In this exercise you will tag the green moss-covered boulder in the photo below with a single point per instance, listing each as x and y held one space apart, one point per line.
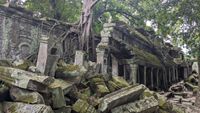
21 95
190 86
167 106
112 86
24 65
161 99
5 63
82 106
177 109
147 93
170 108
192 80
98 86
120 81
68 71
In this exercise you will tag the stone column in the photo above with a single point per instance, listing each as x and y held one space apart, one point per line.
145 75
138 75
195 67
133 73
102 59
185 73
42 54
152 77
103 46
157 78
174 74
114 66
177 74
169 75
79 58
165 82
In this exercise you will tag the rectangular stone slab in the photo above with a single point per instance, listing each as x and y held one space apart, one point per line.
21 78
148 105
32 81
17 107
120 97
65 85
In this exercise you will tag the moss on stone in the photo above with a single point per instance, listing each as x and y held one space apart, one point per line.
5 63
25 65
120 82
177 109
68 68
86 92
102 89
112 86
146 56
13 108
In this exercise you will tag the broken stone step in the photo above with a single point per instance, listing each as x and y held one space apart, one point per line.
17 107
120 97
22 95
147 105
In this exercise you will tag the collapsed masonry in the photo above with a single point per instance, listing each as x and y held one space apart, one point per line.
84 87
135 54
140 57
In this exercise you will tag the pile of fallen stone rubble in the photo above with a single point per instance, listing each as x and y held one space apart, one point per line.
75 89
184 91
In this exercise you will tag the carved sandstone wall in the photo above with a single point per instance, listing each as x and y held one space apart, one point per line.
19 33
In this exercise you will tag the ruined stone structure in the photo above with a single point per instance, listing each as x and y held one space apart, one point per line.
140 57
20 33
135 54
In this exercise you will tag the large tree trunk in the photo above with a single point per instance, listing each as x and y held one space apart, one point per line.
197 103
86 23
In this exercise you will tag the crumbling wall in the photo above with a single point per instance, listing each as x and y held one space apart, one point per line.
20 33
128 49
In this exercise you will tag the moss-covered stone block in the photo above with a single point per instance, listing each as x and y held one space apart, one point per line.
120 81
25 65
22 95
17 107
82 106
98 86
5 63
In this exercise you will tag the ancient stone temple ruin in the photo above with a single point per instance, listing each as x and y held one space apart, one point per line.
20 34
135 54
43 71
140 57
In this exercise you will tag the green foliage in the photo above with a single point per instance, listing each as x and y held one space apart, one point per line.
183 20
179 19
70 9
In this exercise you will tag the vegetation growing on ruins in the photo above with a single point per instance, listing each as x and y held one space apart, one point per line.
174 20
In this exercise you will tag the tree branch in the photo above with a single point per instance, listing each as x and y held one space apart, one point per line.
94 3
